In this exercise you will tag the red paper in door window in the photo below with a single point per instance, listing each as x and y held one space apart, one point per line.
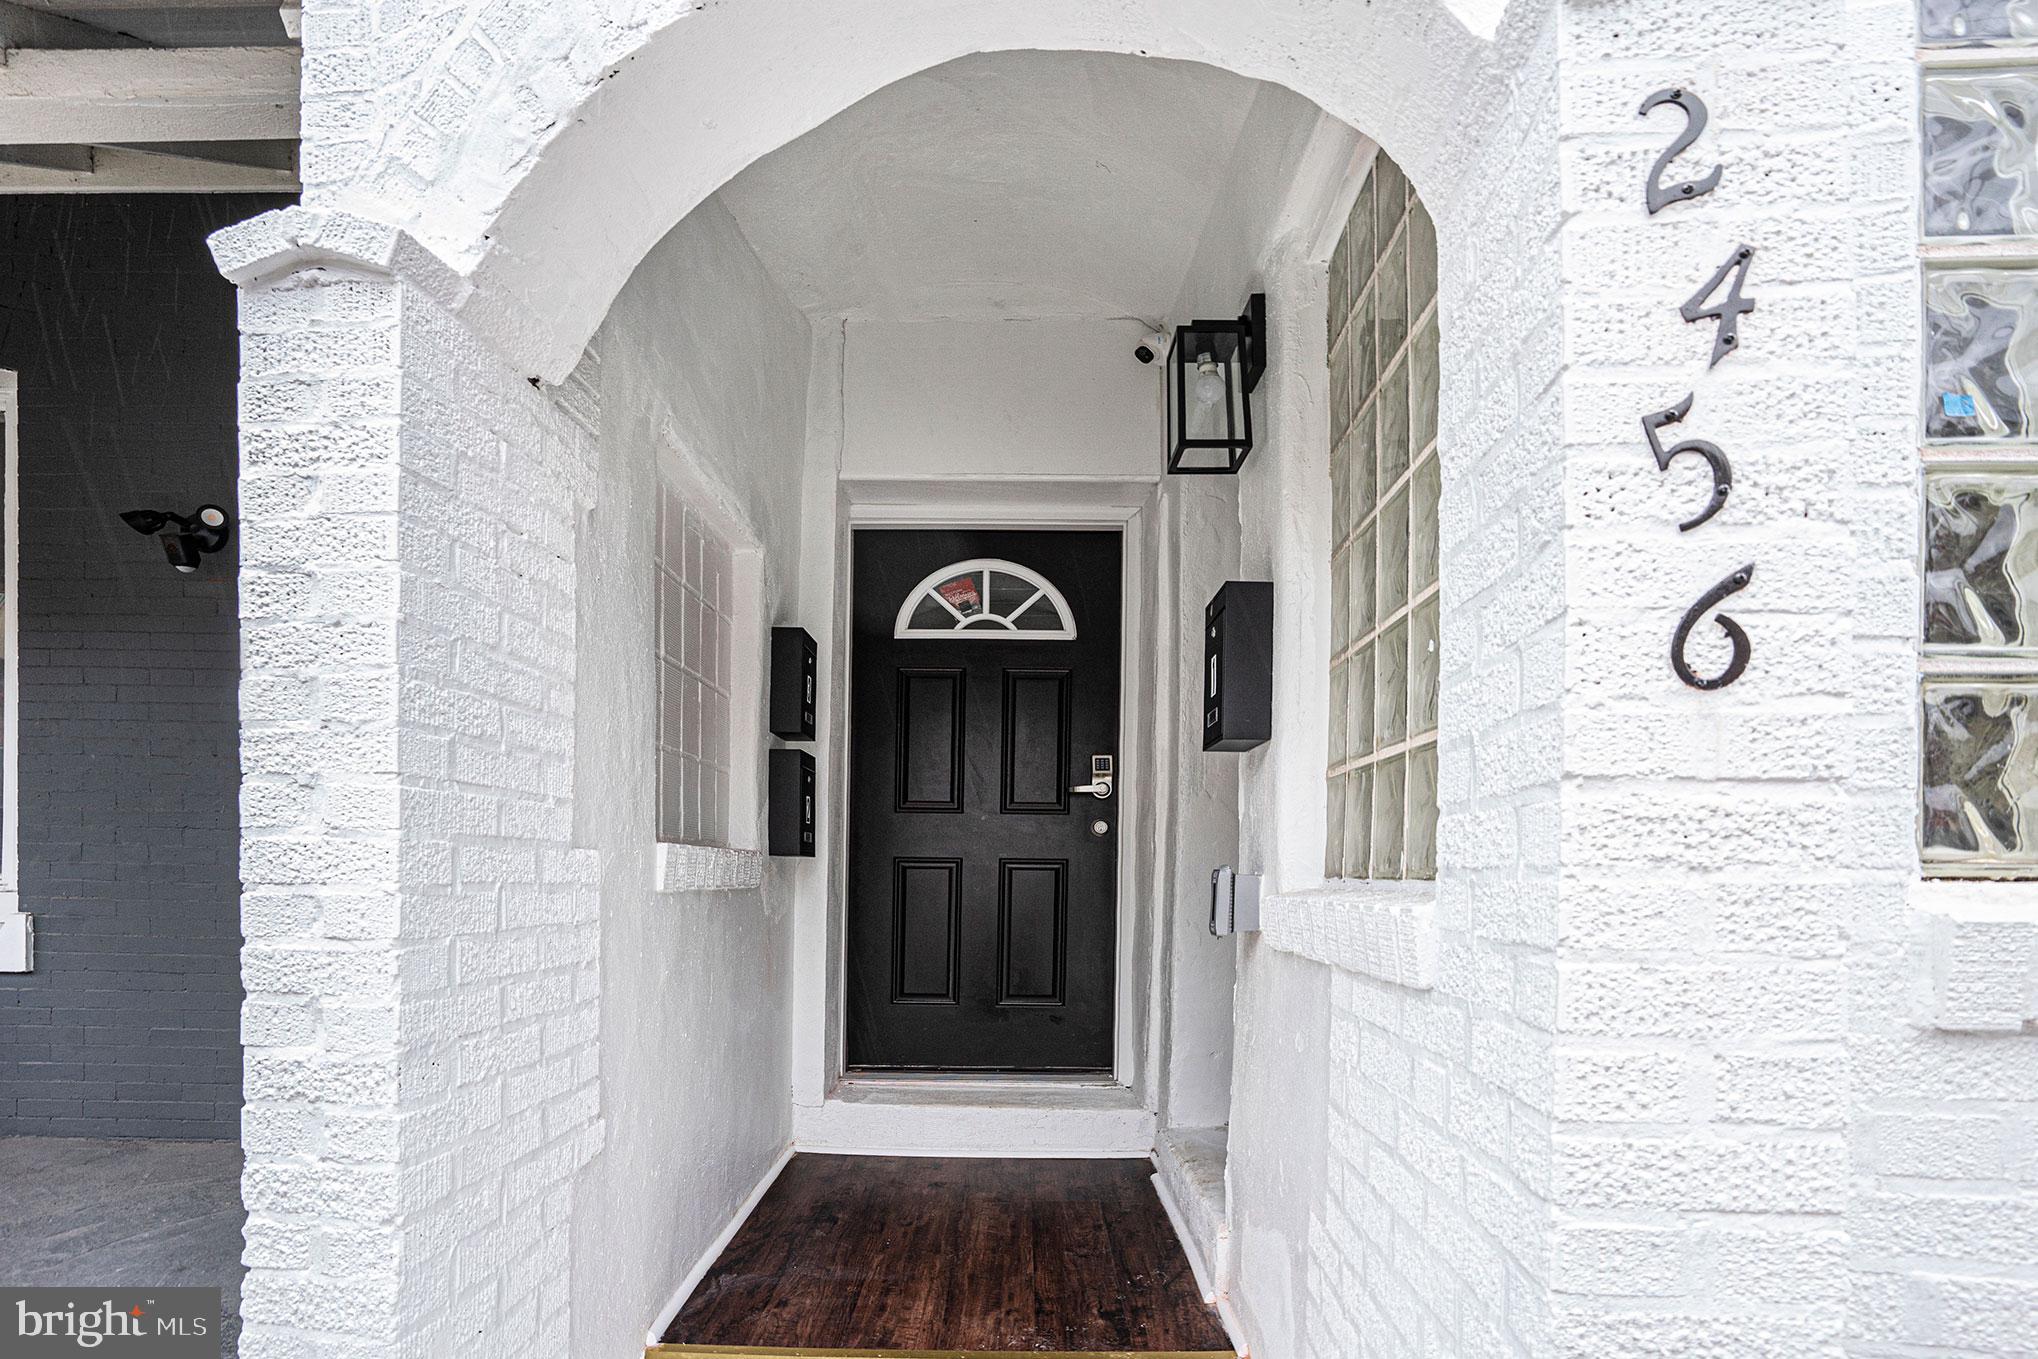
961 594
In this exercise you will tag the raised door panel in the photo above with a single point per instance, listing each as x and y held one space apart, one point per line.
926 931
929 731
1033 900
1035 733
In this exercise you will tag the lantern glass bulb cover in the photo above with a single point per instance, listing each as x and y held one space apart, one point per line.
1209 413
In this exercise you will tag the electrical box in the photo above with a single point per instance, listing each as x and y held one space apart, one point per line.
789 815
794 674
1234 901
1238 666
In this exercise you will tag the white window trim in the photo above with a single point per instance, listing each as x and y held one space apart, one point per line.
1007 630
17 937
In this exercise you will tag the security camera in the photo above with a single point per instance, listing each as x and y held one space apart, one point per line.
1150 348
184 538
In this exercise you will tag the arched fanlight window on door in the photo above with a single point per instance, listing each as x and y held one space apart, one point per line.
986 597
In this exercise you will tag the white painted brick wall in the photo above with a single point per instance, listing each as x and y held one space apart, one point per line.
422 935
1672 1093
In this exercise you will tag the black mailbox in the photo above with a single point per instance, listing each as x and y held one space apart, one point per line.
789 820
1238 666
794 673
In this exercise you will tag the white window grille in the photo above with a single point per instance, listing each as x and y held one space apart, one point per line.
696 655
986 597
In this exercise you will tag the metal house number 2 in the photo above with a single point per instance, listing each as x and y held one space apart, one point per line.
1725 312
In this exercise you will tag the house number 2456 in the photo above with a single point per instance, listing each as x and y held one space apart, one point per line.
1719 299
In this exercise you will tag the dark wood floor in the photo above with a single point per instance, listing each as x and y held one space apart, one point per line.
911 1253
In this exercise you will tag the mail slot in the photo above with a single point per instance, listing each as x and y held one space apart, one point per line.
794 674
789 820
1238 666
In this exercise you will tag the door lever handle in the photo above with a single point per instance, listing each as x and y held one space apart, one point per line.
1101 768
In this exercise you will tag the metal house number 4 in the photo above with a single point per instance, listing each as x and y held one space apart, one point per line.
1707 304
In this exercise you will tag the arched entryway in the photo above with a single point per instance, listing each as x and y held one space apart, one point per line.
431 322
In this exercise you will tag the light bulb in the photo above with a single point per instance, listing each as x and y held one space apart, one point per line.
1209 383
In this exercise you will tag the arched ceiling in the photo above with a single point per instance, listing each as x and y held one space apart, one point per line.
1018 183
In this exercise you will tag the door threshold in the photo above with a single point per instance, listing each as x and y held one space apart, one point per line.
874 1076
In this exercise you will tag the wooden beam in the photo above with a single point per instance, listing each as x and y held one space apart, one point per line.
189 94
34 26
126 169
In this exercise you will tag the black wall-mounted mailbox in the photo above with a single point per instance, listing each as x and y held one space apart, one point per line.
794 673
789 819
1238 666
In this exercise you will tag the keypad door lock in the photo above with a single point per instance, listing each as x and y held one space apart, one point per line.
1100 777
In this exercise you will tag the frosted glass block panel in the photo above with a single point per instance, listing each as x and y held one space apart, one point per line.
1363 240
1422 667
1980 778
1340 390
1359 586
1394 457
1426 491
1390 301
1423 378
1390 686
1365 352
1358 823
1338 684
1365 468
1341 493
1340 603
1422 260
1981 561
1981 153
1390 197
1963 21
1359 704
1392 533
1334 830
1340 298
1419 855
1981 353
1388 800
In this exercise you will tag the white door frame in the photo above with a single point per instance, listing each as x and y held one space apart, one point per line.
1126 521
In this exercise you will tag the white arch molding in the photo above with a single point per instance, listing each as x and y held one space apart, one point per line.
544 219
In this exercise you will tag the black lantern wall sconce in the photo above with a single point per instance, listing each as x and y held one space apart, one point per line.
1213 367
185 539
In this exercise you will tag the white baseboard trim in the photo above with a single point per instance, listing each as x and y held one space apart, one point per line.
706 1262
1198 1267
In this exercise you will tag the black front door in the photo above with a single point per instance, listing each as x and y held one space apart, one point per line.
982 889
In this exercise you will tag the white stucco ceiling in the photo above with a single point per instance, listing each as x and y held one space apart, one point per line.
1002 184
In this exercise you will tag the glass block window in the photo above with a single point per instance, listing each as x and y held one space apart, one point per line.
1976 21
1383 567
1981 354
1978 765
695 647
1981 152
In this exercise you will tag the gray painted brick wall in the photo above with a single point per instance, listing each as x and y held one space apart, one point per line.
124 336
